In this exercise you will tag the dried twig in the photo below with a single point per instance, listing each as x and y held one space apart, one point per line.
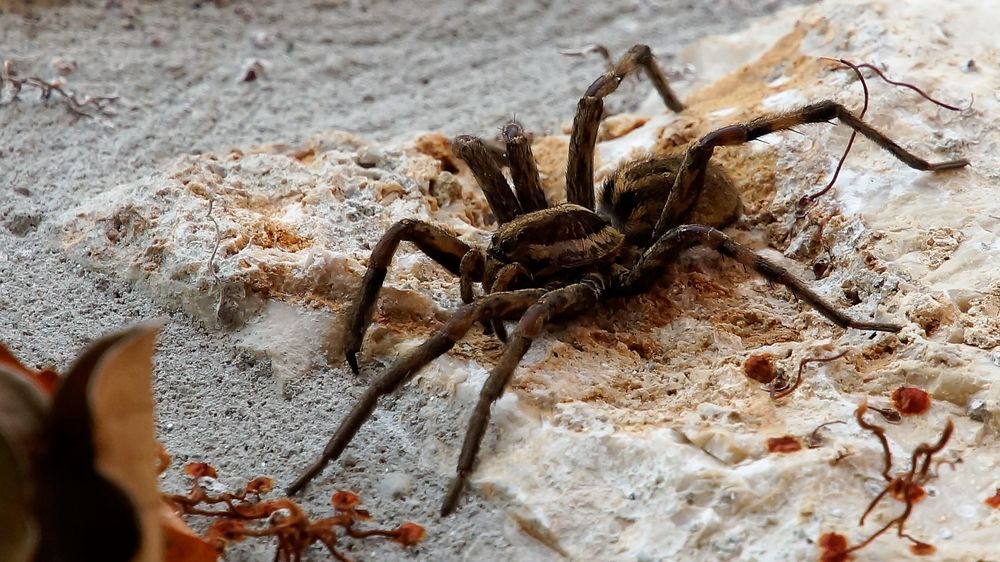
88 106
211 260
906 487
814 440
243 514
910 86
807 200
226 311
215 247
781 390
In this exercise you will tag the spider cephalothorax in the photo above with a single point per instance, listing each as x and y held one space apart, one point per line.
546 262
554 243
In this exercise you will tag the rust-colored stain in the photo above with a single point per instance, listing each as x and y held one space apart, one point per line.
783 444
438 147
760 368
994 500
833 546
267 233
922 549
305 155
911 401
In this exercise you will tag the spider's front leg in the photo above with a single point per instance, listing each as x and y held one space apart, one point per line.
565 300
437 243
690 178
499 305
580 164
649 268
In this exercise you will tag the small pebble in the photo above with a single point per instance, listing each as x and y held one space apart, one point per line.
978 410
396 485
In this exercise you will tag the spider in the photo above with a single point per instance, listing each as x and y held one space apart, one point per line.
554 261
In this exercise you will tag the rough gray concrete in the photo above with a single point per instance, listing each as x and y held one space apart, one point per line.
380 69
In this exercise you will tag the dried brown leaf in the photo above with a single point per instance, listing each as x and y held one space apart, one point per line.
181 544
126 451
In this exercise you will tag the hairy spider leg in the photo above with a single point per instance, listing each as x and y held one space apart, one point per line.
471 270
691 175
437 243
497 305
505 279
486 167
580 164
639 56
569 299
473 264
650 265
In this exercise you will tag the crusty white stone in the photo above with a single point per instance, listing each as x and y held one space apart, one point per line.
287 237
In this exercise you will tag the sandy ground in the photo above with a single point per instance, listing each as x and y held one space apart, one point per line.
380 69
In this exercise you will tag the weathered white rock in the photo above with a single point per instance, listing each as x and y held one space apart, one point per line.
633 434
285 241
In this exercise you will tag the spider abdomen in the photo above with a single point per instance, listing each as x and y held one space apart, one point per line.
633 197
557 239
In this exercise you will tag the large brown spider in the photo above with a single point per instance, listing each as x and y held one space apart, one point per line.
547 261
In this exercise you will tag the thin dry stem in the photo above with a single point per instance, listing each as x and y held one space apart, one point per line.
220 304
879 432
814 440
908 482
242 514
806 201
777 394
910 86
88 106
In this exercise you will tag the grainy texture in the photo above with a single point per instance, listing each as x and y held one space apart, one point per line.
379 69
631 434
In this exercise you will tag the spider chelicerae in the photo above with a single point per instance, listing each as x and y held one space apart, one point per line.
547 262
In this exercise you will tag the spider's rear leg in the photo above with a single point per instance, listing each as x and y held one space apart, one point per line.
691 175
639 56
649 268
580 164
440 245
569 299
499 305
